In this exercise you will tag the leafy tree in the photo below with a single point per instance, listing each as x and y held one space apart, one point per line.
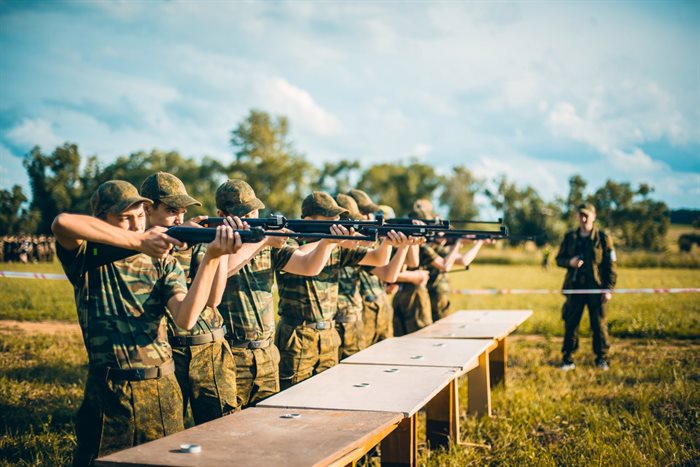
337 177
526 213
577 186
399 185
459 194
13 217
55 183
267 160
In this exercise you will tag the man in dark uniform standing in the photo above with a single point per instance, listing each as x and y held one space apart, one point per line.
589 256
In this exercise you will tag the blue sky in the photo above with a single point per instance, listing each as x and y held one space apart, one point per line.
536 91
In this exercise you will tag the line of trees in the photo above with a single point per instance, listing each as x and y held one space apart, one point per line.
64 180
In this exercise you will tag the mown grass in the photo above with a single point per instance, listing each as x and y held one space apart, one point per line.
644 411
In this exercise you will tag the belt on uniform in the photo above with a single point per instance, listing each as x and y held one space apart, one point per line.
263 344
348 318
136 374
320 325
198 339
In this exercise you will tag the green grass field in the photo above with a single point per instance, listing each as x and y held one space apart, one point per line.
644 411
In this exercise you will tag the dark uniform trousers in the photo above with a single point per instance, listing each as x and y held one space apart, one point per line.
257 373
118 414
572 313
439 303
412 309
207 377
305 351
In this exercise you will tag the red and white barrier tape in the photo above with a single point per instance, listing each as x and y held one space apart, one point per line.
32 275
570 291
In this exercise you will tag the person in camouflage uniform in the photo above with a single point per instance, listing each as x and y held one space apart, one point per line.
204 365
306 337
247 305
131 390
589 257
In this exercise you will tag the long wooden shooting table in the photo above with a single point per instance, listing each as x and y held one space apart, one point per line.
267 437
384 388
480 324
468 355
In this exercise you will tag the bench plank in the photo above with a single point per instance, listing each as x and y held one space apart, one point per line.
516 317
262 436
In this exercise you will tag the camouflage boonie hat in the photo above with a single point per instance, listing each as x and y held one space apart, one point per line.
115 196
586 208
347 202
167 189
319 203
237 198
363 201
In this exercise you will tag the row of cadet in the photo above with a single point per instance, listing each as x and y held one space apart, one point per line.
27 248
178 325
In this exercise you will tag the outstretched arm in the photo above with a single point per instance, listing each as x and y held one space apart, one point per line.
71 230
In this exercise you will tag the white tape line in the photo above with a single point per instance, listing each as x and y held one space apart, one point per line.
32 275
571 291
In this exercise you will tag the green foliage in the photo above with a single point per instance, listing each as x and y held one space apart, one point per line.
459 193
55 183
637 223
399 185
526 213
337 177
686 241
12 215
267 160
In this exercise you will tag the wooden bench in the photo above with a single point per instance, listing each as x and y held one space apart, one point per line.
384 388
443 411
267 437
480 324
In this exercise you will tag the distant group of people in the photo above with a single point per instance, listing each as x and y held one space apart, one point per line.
27 248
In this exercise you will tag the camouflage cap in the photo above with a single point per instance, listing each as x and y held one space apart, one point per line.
586 208
167 189
237 198
363 201
347 202
319 203
387 211
115 196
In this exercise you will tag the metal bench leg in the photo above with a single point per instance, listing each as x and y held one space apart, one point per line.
442 417
400 447
479 396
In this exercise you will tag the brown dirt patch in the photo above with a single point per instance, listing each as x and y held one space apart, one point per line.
39 327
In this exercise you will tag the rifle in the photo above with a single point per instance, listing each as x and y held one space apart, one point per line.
433 223
301 226
104 254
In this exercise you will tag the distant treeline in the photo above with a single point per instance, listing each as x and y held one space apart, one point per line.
685 216
64 180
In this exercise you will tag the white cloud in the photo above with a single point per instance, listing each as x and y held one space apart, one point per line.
279 96
33 131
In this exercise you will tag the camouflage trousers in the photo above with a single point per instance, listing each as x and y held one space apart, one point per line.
116 415
257 374
377 320
351 333
305 351
411 309
439 303
207 377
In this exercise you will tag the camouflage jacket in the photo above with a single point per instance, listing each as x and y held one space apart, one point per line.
599 268
349 298
371 286
121 306
316 298
437 281
210 318
247 305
